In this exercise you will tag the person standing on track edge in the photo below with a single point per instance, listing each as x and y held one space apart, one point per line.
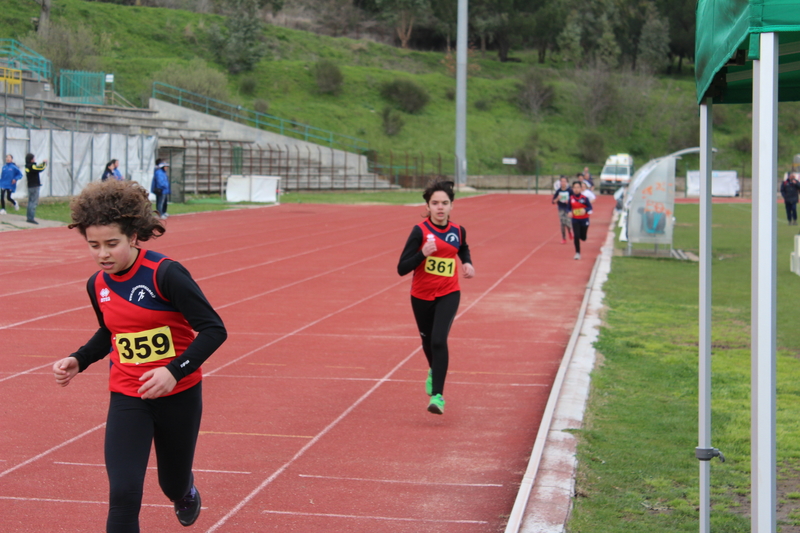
435 292
32 171
147 306
580 209
9 177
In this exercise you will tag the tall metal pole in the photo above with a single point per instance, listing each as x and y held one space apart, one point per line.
704 403
763 282
461 95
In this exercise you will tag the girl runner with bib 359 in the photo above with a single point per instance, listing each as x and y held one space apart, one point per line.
147 306
430 253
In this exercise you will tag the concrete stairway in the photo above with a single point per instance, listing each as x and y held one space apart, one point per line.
202 149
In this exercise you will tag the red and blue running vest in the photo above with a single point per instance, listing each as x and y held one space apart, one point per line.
577 205
437 275
147 332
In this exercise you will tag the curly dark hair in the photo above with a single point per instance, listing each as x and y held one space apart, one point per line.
124 203
439 185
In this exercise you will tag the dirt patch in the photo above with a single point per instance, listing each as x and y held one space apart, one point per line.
788 511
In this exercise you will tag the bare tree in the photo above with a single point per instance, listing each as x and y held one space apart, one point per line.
43 24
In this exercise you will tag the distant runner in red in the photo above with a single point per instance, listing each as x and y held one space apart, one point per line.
148 308
580 207
430 253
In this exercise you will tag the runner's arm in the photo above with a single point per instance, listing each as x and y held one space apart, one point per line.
177 286
463 250
412 256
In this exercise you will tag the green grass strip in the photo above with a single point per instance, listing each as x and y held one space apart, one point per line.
637 471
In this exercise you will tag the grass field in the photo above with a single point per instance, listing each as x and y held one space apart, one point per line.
637 469
58 208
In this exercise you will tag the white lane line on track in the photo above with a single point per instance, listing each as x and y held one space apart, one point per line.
32 459
51 450
29 371
328 378
239 506
42 317
385 518
92 502
308 325
402 482
98 465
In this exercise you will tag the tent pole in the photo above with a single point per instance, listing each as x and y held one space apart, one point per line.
704 341
763 282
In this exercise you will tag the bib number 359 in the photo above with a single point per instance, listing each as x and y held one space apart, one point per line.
145 346
440 266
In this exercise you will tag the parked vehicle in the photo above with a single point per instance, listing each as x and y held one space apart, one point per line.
616 173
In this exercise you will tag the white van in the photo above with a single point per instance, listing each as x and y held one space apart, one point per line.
617 172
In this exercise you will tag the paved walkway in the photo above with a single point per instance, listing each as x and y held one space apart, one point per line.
16 221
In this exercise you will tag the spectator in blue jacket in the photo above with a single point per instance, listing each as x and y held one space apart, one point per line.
9 177
160 187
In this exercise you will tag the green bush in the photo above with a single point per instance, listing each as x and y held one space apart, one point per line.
248 85
328 76
534 96
592 147
528 155
392 121
405 94
261 105
483 105
197 77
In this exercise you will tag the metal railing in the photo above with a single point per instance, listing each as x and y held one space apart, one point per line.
79 87
236 113
10 81
25 58
25 125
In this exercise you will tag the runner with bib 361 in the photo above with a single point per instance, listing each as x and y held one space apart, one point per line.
430 253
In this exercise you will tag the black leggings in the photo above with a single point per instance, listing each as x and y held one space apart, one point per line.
172 422
3 194
434 319
580 229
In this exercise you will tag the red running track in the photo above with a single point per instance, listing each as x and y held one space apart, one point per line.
315 410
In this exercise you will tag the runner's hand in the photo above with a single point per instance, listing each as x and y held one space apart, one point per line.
158 382
65 369
429 248
469 270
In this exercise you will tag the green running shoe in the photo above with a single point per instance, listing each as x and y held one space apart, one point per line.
436 405
429 383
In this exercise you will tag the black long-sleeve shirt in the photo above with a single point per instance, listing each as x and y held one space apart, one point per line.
412 256
177 286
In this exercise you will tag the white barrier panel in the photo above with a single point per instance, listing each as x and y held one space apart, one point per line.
75 159
723 183
253 189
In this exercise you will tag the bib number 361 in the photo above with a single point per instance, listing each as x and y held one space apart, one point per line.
440 266
145 346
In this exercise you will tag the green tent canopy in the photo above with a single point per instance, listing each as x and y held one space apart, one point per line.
727 43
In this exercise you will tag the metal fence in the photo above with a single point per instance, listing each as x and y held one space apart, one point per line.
255 119
201 166
78 87
20 56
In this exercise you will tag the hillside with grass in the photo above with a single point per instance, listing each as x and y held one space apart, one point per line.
553 117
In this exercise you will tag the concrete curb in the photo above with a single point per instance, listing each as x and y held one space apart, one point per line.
544 500
12 222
